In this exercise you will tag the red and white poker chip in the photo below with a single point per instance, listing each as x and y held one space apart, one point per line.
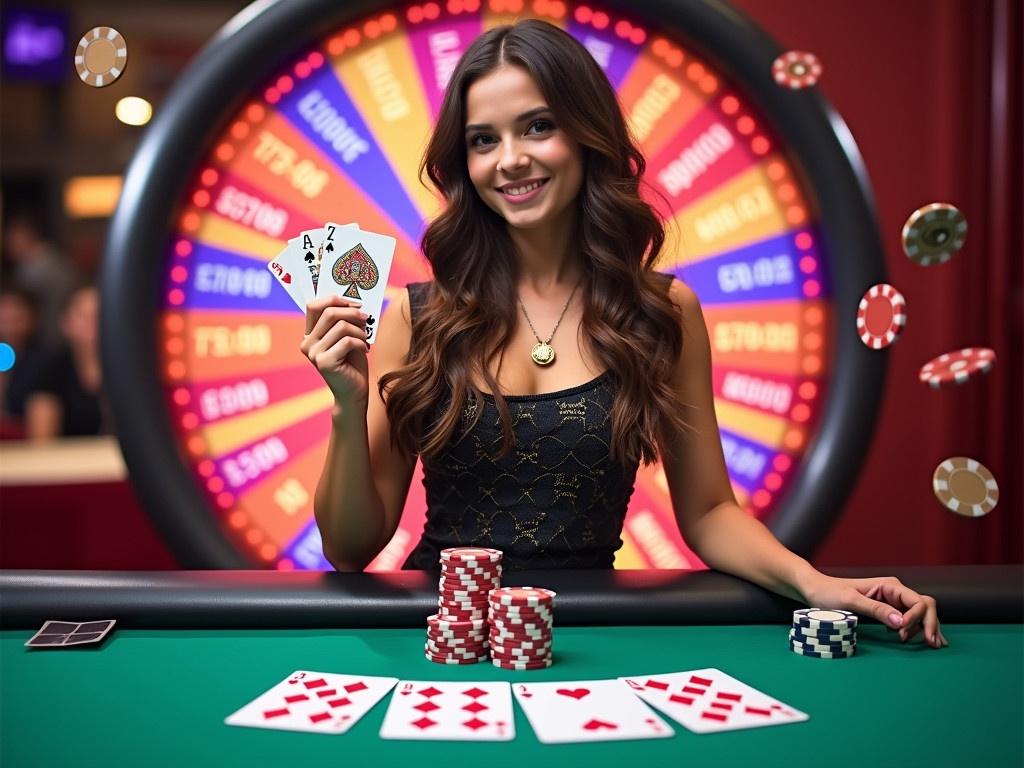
470 555
450 660
440 622
797 69
881 316
521 666
522 613
957 367
522 596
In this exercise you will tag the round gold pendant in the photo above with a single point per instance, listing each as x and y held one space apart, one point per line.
543 354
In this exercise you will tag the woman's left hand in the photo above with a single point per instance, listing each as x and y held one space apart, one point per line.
884 598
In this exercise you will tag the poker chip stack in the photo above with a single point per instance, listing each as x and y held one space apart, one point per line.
521 621
823 634
457 633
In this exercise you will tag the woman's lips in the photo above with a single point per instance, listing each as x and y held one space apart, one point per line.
516 199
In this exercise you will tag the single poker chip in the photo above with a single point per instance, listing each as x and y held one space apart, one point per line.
448 660
523 610
522 596
478 597
957 367
934 233
435 620
511 617
521 630
822 618
470 555
965 486
526 645
465 615
796 69
881 316
445 641
499 624
804 635
823 654
523 654
470 569
455 653
101 56
483 583
522 666
536 621
442 632
815 645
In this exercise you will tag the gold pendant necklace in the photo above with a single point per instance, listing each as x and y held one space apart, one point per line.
543 353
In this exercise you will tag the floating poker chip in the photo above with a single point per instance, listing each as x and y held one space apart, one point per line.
934 233
965 486
101 57
796 69
957 367
881 316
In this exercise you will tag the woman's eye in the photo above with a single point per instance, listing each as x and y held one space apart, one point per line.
473 142
545 125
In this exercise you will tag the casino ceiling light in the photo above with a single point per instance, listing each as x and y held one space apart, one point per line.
133 110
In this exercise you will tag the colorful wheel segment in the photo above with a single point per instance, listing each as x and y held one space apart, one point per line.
336 132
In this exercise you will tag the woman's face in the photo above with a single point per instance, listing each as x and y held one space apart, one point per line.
512 144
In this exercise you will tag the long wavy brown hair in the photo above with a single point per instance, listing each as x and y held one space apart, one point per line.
470 315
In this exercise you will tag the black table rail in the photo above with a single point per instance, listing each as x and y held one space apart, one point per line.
270 599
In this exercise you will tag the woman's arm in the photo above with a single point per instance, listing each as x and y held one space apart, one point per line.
728 539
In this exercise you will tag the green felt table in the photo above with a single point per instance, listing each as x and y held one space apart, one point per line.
159 698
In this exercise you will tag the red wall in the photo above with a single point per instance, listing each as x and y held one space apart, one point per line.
914 82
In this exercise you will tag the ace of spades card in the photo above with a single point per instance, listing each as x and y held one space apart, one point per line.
359 270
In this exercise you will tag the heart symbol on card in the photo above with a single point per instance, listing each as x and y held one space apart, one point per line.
596 725
287 278
574 693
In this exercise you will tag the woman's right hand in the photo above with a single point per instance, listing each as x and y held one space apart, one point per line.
335 342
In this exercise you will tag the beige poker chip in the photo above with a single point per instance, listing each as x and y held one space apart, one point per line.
934 233
101 57
965 486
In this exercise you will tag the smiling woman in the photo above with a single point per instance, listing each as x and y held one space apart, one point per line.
542 181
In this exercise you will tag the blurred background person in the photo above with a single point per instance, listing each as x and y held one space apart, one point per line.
35 265
19 318
66 399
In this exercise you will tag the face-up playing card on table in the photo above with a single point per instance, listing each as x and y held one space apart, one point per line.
359 269
317 702
587 710
708 701
446 711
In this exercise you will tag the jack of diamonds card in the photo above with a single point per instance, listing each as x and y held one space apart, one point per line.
450 711
316 702
708 701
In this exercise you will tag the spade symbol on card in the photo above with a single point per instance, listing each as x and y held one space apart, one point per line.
356 269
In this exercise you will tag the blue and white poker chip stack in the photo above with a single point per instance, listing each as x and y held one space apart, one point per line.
823 633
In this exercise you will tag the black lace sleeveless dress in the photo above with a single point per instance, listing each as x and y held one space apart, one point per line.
557 500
